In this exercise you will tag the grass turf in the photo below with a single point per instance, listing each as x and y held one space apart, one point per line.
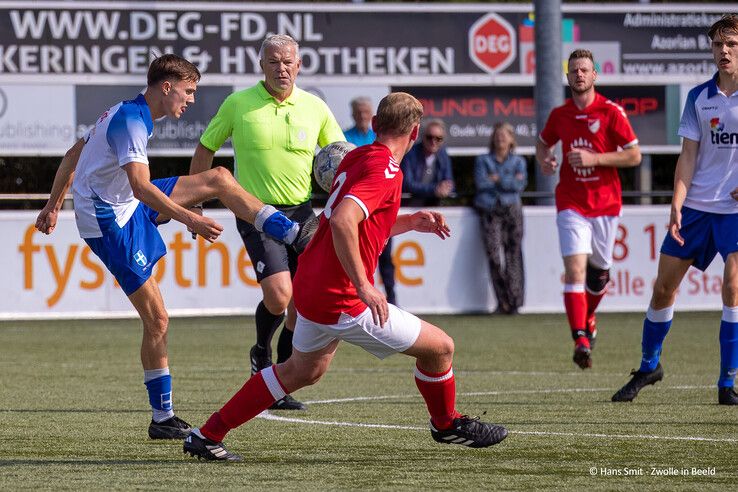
74 411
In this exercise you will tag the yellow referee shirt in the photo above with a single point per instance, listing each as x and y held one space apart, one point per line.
273 142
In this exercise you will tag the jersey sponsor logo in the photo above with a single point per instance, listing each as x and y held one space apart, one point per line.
709 108
391 170
583 172
593 125
492 43
140 258
720 137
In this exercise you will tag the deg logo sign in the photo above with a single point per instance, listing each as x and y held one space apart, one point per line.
492 43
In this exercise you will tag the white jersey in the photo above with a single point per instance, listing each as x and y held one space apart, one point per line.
711 118
101 189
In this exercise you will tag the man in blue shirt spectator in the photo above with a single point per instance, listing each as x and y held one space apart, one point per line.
426 169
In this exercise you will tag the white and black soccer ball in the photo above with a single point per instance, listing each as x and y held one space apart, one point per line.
327 161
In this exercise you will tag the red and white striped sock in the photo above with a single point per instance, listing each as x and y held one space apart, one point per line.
258 394
439 392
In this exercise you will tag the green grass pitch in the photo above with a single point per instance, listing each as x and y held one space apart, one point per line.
74 411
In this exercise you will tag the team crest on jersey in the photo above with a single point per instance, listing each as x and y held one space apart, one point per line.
392 169
593 124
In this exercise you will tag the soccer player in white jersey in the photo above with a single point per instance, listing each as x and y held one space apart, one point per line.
704 215
118 209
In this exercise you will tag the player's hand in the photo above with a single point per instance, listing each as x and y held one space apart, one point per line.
206 227
195 209
549 165
376 302
675 224
430 221
581 157
46 220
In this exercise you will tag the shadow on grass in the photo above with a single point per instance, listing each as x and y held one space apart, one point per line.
55 462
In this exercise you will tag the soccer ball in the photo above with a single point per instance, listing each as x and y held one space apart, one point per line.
327 161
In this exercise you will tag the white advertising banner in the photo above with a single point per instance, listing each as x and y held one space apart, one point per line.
58 276
36 118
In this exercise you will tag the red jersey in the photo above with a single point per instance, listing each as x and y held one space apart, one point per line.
371 177
602 127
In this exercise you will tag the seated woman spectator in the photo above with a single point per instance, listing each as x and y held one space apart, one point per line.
500 176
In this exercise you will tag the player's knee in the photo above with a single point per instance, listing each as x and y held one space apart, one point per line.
597 279
277 298
221 175
663 294
157 324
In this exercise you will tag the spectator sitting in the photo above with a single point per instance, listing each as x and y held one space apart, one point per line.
426 169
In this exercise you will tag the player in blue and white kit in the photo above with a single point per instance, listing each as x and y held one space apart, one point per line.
704 215
118 209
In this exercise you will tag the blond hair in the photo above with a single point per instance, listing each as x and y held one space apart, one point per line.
397 114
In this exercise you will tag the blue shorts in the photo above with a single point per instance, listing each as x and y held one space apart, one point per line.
705 234
130 252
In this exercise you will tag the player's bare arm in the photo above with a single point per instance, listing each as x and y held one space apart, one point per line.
344 223
140 179
202 159
422 221
682 181
546 158
584 157
46 220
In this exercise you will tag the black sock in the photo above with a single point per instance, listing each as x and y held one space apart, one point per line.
284 345
266 324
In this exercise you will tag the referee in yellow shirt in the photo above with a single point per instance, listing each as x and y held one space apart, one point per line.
274 127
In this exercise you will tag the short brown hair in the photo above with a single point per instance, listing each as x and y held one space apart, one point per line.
397 114
727 25
171 66
581 53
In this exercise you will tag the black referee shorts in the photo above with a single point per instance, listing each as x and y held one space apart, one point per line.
267 255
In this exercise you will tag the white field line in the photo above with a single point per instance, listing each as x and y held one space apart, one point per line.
269 416
490 393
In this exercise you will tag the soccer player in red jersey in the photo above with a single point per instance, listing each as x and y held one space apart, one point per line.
596 139
336 300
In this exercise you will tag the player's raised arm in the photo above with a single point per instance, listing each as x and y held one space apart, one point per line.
46 220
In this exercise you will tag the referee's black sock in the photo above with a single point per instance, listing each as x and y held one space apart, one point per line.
284 345
266 324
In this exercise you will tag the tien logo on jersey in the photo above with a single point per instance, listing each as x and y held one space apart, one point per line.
392 169
593 124
140 258
719 136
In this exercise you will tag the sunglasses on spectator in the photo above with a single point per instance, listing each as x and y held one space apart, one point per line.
433 138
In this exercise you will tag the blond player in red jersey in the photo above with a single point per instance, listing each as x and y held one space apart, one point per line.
336 300
596 138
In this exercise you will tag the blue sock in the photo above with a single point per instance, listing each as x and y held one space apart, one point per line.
728 347
159 385
276 224
655 327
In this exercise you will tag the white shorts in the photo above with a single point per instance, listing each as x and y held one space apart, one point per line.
397 335
594 236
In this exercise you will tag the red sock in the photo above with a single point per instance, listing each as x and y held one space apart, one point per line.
575 302
593 300
439 392
258 394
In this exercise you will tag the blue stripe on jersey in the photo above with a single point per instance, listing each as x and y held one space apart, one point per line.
130 127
